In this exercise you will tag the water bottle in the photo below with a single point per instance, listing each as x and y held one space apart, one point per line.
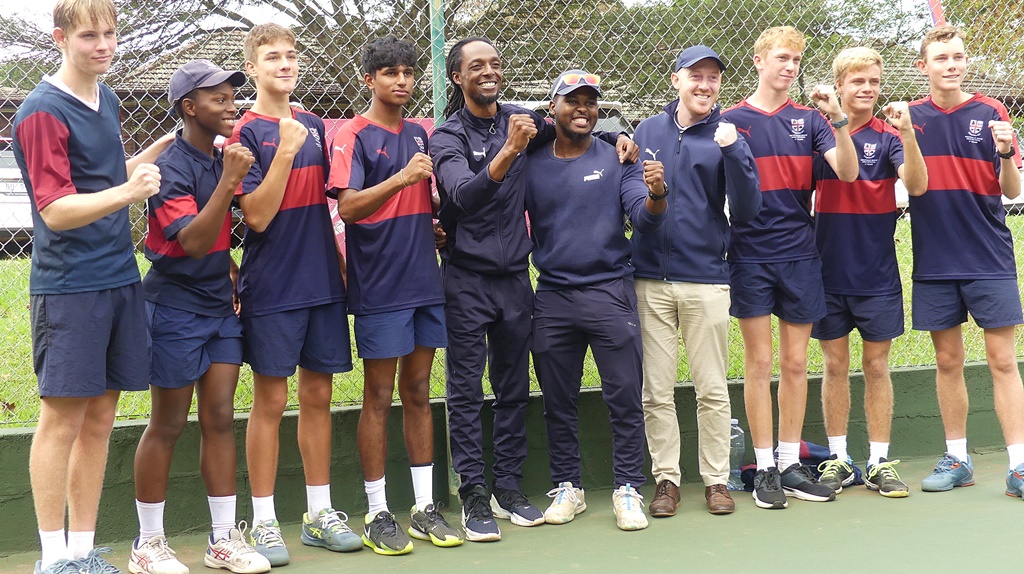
737 448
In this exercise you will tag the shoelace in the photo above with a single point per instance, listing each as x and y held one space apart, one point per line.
96 564
886 470
332 520
662 489
268 536
944 465
514 499
830 468
805 471
68 567
769 480
561 493
630 496
386 523
161 551
478 507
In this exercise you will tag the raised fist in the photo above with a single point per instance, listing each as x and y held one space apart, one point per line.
144 182
725 135
293 135
1002 132
237 161
654 176
419 168
898 114
521 130
824 97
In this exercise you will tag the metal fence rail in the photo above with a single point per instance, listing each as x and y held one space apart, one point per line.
631 44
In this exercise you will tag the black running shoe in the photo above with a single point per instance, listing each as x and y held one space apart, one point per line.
477 518
798 481
512 505
768 489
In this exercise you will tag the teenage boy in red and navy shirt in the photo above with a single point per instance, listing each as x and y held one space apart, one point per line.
291 294
854 227
963 252
774 262
576 195
479 153
381 178
197 338
89 338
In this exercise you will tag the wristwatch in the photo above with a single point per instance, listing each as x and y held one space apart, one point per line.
656 197
841 123
1007 155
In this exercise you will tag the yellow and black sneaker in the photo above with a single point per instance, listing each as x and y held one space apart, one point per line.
383 534
428 524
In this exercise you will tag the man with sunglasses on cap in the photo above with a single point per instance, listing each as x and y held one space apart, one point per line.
576 195
682 277
479 154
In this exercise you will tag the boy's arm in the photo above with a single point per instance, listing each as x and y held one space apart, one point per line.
913 171
149 154
355 205
1009 166
199 235
842 158
261 206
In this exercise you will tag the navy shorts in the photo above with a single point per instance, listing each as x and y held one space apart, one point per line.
186 344
397 333
940 305
314 338
791 290
84 344
877 317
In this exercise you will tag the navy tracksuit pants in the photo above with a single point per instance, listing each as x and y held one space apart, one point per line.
565 322
488 320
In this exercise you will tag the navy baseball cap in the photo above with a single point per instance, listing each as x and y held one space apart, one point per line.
572 80
694 54
199 74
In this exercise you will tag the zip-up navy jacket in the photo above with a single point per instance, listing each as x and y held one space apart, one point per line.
692 245
484 219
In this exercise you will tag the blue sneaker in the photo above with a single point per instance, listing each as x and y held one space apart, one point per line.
265 537
1015 482
949 472
329 530
95 564
59 567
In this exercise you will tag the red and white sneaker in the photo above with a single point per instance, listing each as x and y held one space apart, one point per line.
154 556
235 554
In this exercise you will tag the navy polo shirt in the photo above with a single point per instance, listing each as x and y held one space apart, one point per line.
188 178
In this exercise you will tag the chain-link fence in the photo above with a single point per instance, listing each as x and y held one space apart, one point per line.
631 44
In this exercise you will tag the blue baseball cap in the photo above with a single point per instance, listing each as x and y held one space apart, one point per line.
199 74
571 80
694 54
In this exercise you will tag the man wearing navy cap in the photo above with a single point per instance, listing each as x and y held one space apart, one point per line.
682 277
197 337
576 195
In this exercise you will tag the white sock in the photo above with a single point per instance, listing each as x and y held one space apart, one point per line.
151 519
80 543
837 446
317 498
375 495
55 547
263 509
764 458
789 454
877 451
423 485
957 448
1016 452
222 515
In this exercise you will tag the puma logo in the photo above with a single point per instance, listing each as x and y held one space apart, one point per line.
480 154
272 143
920 128
341 149
744 131
384 152
654 154
594 176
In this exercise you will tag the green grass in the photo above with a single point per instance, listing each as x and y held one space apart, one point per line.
19 402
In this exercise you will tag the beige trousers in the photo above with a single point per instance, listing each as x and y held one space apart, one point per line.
700 313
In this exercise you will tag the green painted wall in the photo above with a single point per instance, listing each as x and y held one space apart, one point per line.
917 431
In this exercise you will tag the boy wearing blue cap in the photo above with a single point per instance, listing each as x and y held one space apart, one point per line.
682 277
197 337
576 195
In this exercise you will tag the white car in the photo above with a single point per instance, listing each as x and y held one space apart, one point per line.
15 207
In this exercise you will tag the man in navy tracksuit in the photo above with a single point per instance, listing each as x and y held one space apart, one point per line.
576 195
479 154
682 277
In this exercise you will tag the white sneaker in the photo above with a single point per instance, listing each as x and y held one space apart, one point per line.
154 557
629 508
568 502
235 554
